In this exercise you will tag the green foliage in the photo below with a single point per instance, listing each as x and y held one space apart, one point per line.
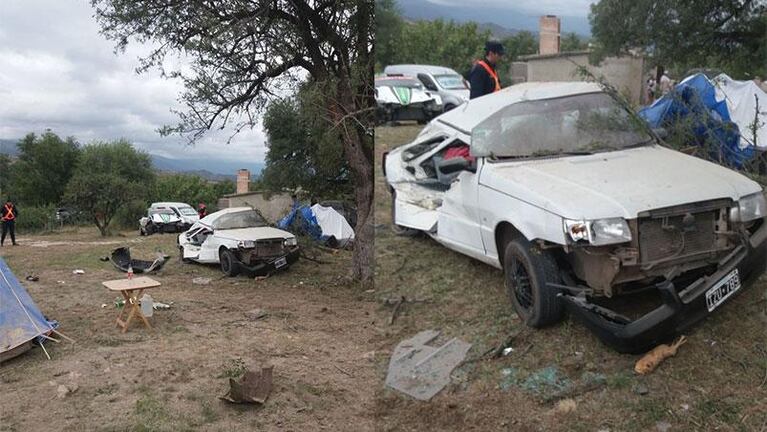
572 42
520 44
723 34
107 176
303 151
5 175
35 219
43 168
388 32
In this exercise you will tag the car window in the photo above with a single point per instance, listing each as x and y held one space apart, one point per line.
187 211
161 211
243 219
399 82
584 123
451 82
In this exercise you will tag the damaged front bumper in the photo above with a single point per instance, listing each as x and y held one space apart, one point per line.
265 266
680 308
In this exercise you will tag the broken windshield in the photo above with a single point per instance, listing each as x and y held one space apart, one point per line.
243 219
580 124
451 82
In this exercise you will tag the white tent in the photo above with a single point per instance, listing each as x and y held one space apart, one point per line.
741 97
333 223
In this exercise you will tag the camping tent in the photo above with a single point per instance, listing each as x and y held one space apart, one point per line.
694 100
333 224
742 98
20 320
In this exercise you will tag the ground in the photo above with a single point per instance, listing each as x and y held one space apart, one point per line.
560 378
318 335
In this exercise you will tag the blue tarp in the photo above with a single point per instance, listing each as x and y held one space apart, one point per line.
301 219
20 319
694 100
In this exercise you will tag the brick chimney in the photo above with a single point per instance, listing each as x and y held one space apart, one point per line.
243 181
548 35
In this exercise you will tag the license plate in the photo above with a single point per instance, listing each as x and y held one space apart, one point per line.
723 289
280 262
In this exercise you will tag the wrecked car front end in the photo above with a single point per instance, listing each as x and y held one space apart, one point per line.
695 257
265 256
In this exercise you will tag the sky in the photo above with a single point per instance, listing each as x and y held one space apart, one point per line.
58 72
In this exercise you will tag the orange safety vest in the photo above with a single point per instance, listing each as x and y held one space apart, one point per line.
492 73
9 216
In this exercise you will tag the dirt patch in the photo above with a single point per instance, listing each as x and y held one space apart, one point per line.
316 334
717 381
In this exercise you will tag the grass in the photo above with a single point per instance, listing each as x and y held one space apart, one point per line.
233 368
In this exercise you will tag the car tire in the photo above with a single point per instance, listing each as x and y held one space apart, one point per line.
397 229
229 264
527 274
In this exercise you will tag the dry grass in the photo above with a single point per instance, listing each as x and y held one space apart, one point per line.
718 381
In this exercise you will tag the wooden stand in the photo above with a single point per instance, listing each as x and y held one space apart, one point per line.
131 290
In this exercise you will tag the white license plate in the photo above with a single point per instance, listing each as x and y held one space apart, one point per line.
280 262
723 289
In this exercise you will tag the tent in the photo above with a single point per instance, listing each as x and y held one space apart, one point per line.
301 220
333 224
694 100
21 322
741 98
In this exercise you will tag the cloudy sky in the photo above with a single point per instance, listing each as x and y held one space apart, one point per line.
58 72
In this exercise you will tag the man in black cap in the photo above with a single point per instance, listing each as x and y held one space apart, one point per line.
483 77
8 213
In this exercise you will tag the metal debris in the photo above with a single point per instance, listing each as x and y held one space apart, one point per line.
252 387
420 370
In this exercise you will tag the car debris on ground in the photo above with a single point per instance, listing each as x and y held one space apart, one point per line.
201 280
420 370
252 387
650 361
122 260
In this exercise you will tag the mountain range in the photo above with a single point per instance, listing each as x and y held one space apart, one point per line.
216 170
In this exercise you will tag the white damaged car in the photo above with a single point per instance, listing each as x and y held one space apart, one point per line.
238 239
577 201
400 98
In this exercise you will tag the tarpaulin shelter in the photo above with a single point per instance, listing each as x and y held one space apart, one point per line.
333 224
301 220
747 105
20 319
694 100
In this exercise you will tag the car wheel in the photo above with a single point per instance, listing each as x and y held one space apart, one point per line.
527 273
229 264
400 230
141 232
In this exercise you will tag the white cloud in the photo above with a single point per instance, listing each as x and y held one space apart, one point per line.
573 8
58 72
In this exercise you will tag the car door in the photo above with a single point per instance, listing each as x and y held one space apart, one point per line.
458 217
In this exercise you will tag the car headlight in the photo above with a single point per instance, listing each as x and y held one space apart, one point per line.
292 241
598 232
749 207
246 244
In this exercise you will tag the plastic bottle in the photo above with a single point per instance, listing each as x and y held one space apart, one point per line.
130 271
147 304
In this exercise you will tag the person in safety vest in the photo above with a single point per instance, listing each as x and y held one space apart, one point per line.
483 76
8 214
202 211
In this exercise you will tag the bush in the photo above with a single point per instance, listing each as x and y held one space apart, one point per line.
36 219
128 215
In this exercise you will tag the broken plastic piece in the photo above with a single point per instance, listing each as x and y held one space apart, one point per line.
253 387
122 260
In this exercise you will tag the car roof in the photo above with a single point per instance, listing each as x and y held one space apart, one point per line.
416 68
169 204
466 116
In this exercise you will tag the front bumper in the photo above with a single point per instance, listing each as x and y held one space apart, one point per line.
680 309
268 265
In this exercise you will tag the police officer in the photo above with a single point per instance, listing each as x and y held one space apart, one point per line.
483 76
8 214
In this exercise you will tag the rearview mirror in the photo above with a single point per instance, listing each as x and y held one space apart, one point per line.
453 165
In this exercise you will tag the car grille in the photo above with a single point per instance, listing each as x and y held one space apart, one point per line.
270 247
676 236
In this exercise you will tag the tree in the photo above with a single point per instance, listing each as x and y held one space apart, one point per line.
242 51
302 152
725 34
44 167
106 177
572 42
186 188
5 178
388 32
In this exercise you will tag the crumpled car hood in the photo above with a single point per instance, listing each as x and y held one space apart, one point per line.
615 184
257 233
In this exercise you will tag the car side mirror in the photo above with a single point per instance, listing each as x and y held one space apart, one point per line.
430 86
662 133
454 165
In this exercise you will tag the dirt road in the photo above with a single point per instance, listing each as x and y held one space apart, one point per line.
317 335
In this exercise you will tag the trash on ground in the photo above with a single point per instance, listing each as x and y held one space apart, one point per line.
201 280
78 271
252 387
566 406
103 305
420 370
147 305
641 389
507 351
652 359
104 259
32 278
161 306
121 259
256 314
119 302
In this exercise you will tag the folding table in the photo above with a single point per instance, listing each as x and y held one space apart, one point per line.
131 290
